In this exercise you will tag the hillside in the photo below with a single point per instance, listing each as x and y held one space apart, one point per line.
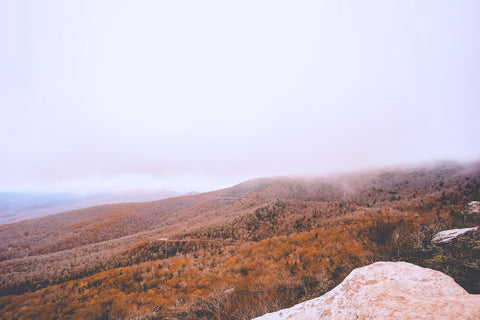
16 206
240 252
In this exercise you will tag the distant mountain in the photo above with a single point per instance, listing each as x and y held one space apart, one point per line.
21 206
388 290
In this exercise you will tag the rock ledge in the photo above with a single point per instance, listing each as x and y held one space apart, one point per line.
388 290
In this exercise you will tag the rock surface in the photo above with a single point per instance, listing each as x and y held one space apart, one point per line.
473 207
388 290
448 235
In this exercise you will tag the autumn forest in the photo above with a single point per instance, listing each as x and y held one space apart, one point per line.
240 252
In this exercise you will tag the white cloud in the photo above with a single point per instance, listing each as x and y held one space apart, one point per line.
222 92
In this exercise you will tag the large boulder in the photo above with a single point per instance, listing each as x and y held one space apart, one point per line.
448 235
388 290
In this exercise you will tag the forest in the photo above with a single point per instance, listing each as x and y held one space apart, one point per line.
240 252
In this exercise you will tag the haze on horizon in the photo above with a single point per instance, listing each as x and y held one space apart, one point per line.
114 95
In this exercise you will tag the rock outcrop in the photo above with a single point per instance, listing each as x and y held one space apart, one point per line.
388 290
448 235
473 207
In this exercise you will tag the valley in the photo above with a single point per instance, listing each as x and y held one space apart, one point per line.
239 252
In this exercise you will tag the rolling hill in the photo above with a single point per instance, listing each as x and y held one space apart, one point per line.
240 252
16 206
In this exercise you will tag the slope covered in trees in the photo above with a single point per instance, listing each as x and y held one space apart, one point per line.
240 252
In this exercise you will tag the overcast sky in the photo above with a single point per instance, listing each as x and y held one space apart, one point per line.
196 95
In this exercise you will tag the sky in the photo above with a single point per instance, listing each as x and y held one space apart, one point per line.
199 95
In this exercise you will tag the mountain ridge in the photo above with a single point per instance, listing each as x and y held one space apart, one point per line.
238 252
17 206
